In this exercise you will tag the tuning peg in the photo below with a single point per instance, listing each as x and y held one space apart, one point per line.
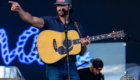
113 31
114 38
121 38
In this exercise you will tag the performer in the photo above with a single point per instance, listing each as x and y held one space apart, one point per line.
92 73
58 70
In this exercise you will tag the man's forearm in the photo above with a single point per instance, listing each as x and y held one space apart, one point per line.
83 50
28 18
25 16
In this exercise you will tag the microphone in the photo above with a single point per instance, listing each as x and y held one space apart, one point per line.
64 11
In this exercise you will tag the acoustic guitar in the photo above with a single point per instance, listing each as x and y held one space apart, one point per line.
52 47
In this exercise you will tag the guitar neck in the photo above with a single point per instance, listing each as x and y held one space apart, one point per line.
94 38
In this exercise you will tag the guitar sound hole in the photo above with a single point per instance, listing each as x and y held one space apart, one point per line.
69 43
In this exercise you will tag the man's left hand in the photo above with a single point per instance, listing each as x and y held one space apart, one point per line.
84 42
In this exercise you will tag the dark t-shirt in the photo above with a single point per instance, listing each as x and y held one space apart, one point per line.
86 74
55 24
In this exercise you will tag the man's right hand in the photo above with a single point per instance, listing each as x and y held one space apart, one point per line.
15 6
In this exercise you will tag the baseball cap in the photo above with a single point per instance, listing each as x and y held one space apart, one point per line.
63 2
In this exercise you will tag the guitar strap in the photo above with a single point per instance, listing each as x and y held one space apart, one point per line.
77 28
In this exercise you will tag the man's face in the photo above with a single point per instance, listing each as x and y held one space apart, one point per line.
59 6
96 71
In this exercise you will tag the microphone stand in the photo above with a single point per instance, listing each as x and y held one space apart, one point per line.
66 39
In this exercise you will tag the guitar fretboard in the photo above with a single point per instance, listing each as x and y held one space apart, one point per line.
94 38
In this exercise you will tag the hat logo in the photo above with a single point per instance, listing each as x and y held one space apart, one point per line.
62 0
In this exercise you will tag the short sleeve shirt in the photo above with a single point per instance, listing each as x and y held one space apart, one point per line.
55 24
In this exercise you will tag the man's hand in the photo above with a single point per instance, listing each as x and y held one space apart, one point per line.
84 42
15 6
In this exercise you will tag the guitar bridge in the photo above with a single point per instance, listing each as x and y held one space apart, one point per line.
55 45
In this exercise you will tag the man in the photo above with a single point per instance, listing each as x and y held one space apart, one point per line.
92 73
58 70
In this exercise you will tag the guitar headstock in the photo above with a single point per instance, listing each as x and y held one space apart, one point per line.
118 34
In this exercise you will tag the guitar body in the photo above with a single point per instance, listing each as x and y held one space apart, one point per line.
52 45
51 48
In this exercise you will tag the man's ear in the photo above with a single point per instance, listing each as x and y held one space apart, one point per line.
70 6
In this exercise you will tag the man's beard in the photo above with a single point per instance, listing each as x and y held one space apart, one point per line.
60 13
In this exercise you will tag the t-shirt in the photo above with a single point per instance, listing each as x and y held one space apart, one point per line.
55 24
86 74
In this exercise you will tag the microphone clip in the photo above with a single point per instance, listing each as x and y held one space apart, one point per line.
64 11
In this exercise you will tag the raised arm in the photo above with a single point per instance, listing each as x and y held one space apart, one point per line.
27 17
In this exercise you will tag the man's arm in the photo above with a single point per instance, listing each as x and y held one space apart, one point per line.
83 50
27 17
84 44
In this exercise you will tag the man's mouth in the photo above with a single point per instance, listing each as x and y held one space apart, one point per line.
60 11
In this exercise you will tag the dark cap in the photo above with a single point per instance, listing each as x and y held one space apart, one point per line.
97 63
63 2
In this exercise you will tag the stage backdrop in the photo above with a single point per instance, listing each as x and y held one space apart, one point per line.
17 38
